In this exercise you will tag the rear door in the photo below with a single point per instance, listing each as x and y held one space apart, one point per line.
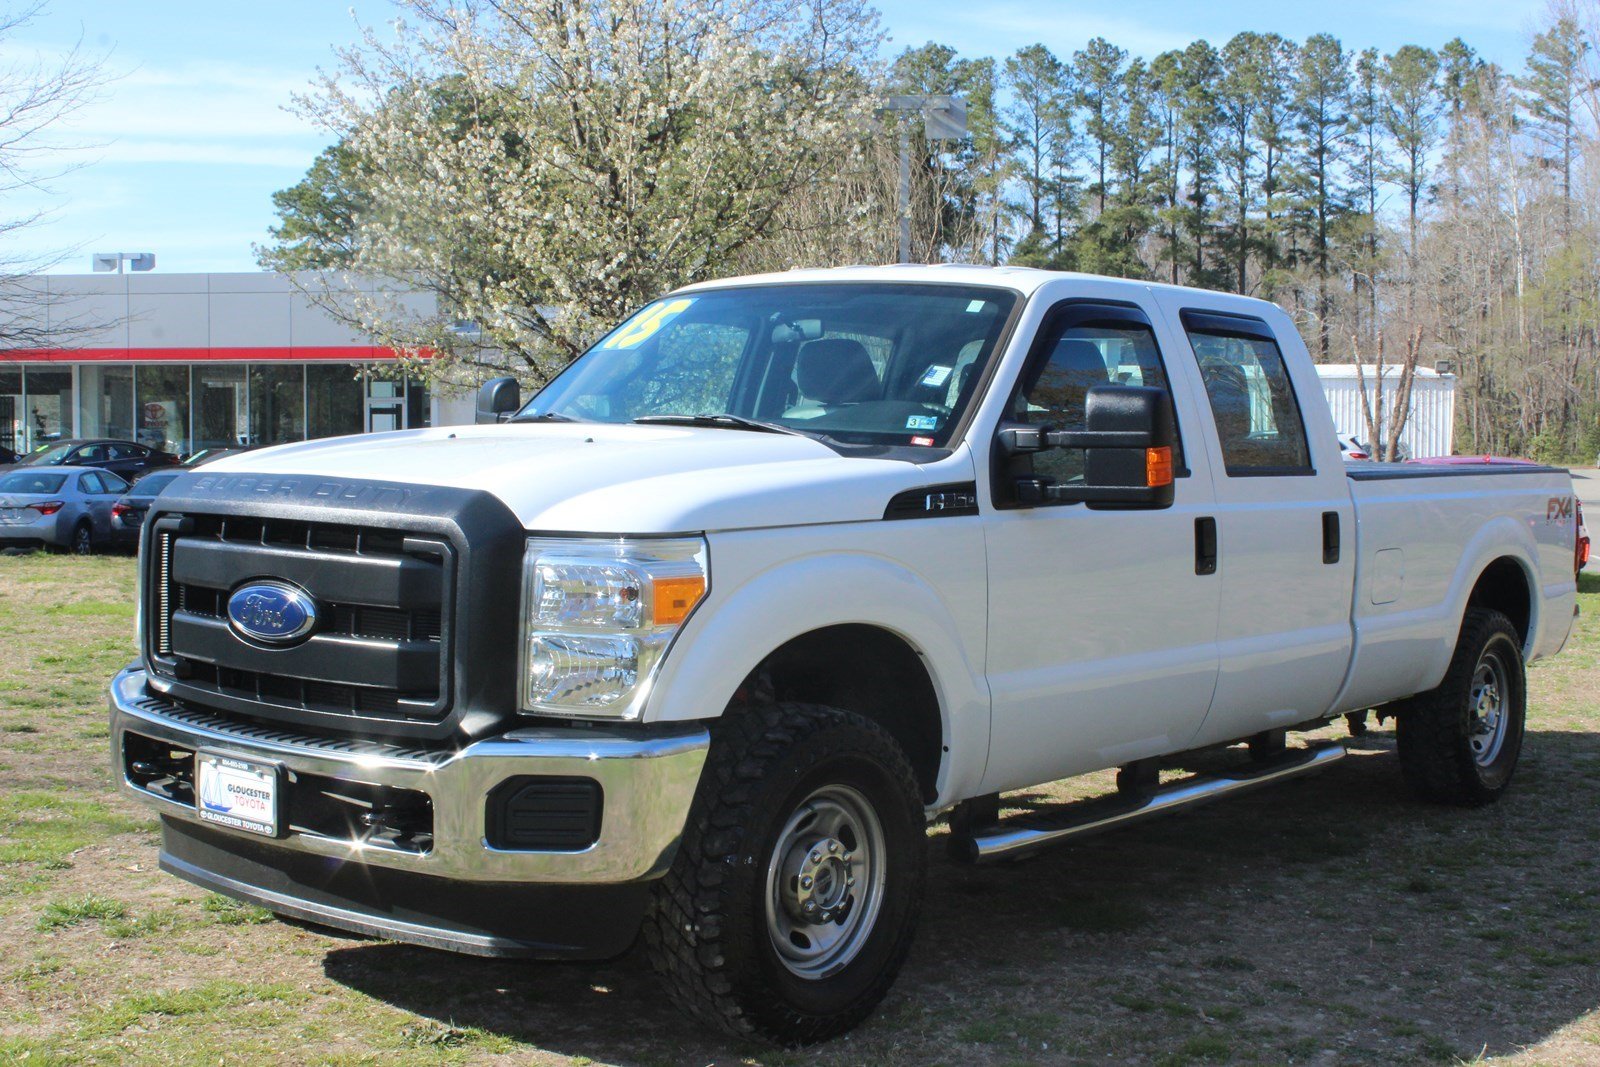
1102 623
126 460
1284 519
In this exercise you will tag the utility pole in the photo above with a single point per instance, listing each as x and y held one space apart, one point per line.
944 118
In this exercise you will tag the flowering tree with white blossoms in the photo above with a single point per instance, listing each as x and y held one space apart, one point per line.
543 167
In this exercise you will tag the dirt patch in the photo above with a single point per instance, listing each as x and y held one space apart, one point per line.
1332 920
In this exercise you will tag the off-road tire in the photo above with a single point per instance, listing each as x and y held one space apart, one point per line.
1434 730
706 929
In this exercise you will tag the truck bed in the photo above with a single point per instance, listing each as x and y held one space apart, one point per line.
1423 536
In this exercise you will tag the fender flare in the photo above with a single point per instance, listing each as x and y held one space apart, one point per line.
735 629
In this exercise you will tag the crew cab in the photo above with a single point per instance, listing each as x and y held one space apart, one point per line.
700 639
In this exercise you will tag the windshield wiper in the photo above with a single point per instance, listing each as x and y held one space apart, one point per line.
543 416
723 421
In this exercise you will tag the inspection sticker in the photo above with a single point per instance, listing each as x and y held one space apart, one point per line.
922 422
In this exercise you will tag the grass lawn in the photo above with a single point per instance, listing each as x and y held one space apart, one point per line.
1333 920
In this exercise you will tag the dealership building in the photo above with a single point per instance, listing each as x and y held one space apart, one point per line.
190 361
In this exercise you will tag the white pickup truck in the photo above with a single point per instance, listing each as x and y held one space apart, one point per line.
697 641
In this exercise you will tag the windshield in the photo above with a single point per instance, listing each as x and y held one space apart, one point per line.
28 482
53 456
858 363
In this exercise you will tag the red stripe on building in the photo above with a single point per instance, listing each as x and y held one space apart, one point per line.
264 354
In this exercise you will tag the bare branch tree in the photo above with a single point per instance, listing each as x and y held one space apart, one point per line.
37 94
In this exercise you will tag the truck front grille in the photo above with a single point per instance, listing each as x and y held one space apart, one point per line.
381 649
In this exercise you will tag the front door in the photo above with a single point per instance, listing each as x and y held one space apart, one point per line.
1102 623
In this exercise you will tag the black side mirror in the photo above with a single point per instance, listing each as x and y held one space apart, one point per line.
497 399
1127 451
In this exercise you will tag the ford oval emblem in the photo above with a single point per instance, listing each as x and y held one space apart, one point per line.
274 613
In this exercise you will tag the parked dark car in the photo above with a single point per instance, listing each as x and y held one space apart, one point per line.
203 456
126 459
127 514
62 508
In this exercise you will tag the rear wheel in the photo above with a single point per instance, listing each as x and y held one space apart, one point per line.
796 889
1459 742
82 540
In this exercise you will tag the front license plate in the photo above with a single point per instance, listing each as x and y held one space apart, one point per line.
238 794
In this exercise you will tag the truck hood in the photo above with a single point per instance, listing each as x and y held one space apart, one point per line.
603 478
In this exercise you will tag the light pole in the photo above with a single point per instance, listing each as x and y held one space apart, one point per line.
944 118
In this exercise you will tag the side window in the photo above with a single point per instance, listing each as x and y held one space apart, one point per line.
125 451
113 483
90 454
1252 401
91 484
1083 354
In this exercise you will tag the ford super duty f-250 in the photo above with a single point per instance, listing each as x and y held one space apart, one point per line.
696 641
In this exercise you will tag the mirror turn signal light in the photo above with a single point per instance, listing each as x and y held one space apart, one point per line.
675 597
1157 467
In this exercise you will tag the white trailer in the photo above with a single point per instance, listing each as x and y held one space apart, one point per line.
1430 428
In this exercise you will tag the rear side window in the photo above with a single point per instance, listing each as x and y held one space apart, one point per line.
113 483
1252 401
90 483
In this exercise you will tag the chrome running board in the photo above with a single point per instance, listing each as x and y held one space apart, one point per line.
1023 834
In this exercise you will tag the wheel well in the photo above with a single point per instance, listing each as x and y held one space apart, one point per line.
869 671
1503 587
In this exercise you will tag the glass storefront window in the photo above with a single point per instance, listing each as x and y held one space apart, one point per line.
277 403
105 396
48 400
164 408
221 414
13 430
336 396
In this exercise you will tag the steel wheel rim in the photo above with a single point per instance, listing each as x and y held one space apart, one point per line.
825 882
1487 705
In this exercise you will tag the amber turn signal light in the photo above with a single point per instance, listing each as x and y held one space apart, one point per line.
675 598
1157 467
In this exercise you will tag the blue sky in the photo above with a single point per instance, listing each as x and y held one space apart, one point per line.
187 144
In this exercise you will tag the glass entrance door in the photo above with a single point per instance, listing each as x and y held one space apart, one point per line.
386 405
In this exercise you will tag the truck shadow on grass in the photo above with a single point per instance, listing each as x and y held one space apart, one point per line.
1333 917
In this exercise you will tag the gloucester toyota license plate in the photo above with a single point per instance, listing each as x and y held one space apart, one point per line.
237 793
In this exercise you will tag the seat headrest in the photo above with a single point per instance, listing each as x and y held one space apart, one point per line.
835 370
1078 362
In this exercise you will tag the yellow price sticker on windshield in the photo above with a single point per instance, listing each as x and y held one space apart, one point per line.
645 325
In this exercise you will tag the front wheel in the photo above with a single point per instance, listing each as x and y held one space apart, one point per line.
1460 741
796 889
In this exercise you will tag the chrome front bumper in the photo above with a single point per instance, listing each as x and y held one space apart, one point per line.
647 779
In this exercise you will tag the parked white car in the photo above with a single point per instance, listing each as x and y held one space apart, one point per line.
697 641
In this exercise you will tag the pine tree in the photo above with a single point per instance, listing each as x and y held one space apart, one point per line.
1322 118
1239 98
1273 129
1039 122
1412 106
1550 93
1098 72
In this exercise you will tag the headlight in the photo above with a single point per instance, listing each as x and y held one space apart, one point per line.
599 615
